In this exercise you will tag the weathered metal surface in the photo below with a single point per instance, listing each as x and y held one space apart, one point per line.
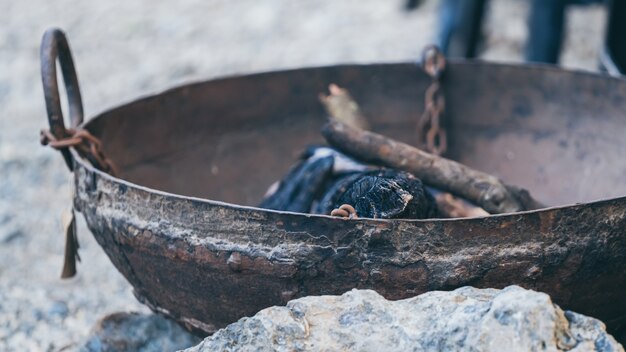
207 263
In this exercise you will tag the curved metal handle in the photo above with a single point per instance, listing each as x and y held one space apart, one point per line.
433 61
54 46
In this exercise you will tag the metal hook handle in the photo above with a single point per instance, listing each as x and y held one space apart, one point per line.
54 46
433 61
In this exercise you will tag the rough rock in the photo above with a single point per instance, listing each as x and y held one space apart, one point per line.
512 319
134 332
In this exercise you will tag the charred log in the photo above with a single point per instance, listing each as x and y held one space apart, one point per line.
325 180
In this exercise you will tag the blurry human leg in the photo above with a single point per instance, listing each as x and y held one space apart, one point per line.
460 24
449 14
545 30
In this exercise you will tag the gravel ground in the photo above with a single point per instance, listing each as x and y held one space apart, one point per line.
126 49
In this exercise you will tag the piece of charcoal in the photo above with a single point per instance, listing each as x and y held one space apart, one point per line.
301 186
308 180
333 190
380 194
325 179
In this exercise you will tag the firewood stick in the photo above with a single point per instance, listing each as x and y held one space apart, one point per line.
483 189
340 105
453 207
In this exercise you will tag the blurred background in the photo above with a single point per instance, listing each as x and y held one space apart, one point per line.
127 49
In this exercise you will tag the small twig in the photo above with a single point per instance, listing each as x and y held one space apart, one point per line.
481 188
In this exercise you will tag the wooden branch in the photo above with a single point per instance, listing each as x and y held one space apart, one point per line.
453 207
483 189
340 105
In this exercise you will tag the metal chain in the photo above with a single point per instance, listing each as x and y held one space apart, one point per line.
430 131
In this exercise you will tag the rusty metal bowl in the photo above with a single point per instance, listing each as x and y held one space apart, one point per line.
179 220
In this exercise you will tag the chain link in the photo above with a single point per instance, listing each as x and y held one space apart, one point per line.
430 131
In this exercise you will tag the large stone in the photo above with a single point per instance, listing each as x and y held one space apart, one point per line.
512 319
134 332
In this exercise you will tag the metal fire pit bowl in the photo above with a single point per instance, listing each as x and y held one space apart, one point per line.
179 220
